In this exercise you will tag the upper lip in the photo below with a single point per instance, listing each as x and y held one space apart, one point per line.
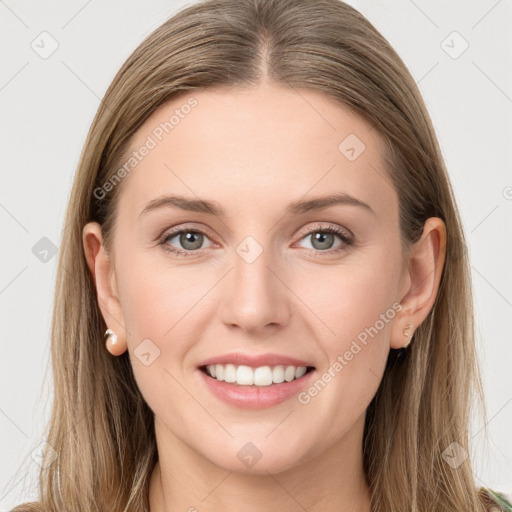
255 361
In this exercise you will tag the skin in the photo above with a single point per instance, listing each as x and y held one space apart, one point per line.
243 149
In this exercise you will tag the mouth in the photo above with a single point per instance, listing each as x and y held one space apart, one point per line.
255 377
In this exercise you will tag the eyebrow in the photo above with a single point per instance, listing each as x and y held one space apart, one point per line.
213 208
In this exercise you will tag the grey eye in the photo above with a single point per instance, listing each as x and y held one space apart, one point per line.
188 239
321 240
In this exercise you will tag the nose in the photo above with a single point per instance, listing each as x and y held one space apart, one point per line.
256 297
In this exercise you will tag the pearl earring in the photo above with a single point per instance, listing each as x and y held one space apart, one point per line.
111 336
408 334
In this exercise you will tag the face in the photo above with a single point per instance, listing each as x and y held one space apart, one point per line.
263 278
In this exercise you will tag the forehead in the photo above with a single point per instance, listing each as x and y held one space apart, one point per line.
247 147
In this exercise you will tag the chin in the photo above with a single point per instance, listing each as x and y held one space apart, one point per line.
258 458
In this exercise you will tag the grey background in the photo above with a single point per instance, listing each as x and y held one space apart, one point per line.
48 104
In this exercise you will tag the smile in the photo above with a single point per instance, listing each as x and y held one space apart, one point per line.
255 387
243 375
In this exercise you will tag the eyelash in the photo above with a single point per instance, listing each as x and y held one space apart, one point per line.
334 230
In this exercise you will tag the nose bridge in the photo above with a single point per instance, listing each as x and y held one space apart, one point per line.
256 297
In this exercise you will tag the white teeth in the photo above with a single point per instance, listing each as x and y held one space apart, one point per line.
289 373
278 374
300 371
230 373
261 376
244 375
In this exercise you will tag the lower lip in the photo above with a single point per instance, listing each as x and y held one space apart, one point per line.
255 397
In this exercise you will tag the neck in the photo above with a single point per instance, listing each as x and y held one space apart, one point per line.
333 481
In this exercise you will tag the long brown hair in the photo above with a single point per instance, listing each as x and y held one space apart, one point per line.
101 428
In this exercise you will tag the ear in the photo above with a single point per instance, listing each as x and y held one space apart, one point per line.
423 275
102 270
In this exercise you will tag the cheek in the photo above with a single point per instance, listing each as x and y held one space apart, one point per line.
356 307
161 306
157 298
353 297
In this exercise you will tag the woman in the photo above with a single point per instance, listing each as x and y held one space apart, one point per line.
248 367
